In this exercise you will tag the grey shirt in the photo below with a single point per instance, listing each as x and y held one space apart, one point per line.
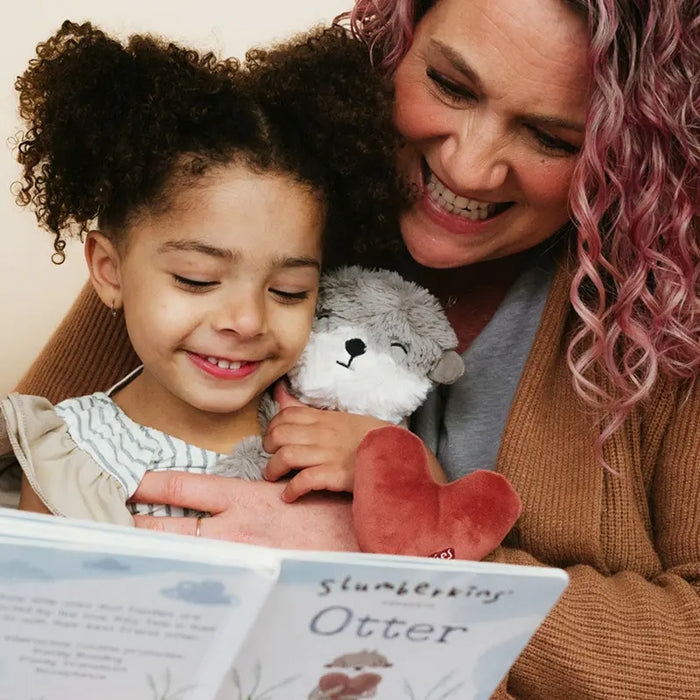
463 423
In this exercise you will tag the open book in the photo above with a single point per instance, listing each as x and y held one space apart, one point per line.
100 612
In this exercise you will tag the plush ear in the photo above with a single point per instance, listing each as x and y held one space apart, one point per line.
102 260
449 368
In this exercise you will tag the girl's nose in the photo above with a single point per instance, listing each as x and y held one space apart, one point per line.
244 314
475 155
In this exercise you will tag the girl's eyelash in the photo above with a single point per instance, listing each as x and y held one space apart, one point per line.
193 284
291 296
447 87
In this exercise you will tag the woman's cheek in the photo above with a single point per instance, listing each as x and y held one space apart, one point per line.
548 182
416 113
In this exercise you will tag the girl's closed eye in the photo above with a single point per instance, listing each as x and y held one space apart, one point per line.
289 297
193 285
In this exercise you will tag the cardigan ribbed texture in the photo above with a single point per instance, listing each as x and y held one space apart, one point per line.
628 626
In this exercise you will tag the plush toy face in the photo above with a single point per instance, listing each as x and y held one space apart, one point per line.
378 345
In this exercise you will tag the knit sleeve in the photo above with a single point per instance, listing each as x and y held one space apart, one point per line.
622 636
88 352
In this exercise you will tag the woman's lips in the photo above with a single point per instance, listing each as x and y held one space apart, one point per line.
454 212
218 369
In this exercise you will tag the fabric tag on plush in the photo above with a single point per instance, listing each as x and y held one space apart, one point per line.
448 553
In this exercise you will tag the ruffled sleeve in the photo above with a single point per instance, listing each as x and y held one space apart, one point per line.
67 479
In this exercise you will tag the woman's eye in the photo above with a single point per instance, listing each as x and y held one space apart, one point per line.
552 143
450 89
401 346
290 297
193 285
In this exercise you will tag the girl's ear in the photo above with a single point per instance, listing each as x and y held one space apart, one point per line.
103 264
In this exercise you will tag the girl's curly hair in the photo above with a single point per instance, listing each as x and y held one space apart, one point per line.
634 196
114 129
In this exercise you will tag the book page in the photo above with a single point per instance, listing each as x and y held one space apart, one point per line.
86 624
403 628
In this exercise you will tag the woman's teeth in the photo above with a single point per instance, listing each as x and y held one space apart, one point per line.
459 206
224 364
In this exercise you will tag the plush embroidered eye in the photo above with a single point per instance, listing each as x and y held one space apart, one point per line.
399 352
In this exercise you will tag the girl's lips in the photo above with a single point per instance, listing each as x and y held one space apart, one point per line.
245 369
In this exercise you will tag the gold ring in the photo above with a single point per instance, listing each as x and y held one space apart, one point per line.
198 527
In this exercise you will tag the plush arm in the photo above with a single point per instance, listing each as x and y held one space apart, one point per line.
89 351
399 508
622 636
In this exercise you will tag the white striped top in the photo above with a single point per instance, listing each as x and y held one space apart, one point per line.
126 450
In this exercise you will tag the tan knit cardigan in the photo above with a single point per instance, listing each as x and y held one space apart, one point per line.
628 627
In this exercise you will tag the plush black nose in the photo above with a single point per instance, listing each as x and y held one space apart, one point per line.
355 347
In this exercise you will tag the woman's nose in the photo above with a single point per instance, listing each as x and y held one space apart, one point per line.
475 156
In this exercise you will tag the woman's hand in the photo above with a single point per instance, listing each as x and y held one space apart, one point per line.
321 444
248 511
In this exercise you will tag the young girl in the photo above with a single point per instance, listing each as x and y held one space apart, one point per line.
218 190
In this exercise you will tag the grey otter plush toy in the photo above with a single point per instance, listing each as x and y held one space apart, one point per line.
378 344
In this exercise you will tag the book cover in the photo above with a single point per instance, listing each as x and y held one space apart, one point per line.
98 611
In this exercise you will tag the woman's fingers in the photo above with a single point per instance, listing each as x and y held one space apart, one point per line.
204 492
176 526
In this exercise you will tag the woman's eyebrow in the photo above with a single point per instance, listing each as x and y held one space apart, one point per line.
457 61
459 64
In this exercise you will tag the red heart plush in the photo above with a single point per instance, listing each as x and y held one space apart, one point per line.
340 685
398 508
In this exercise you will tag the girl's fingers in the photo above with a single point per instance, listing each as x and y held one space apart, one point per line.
317 479
291 457
283 397
286 433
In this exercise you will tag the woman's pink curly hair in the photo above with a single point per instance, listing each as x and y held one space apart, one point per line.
633 197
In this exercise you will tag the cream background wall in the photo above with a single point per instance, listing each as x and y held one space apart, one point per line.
34 293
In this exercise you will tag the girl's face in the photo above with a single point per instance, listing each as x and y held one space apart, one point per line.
219 291
491 99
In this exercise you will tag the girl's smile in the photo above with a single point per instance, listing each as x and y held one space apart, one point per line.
224 369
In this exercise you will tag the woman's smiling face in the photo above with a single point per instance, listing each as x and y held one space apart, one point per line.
491 100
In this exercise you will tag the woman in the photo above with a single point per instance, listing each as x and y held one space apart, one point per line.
521 117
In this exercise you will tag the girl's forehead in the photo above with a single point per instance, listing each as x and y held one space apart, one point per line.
235 209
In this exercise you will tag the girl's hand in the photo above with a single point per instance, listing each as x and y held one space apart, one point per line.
248 511
320 443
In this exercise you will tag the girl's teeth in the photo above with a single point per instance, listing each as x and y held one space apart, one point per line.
224 364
